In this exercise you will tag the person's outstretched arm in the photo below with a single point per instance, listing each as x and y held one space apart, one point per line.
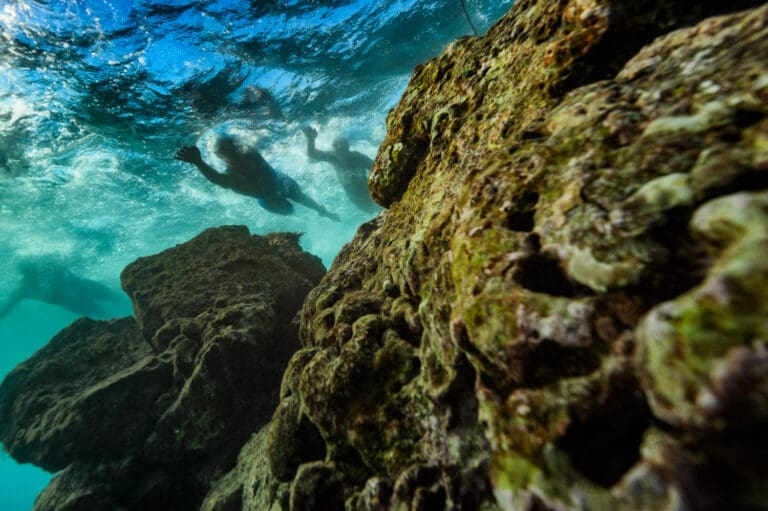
191 154
313 152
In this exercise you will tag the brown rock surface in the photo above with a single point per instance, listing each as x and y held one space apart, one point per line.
54 404
564 306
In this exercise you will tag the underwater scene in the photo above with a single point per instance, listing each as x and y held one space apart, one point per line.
97 96
358 255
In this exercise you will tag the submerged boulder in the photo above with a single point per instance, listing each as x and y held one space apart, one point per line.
564 306
144 413
54 407
221 308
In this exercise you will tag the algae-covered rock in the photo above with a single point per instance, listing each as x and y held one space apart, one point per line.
53 406
147 414
703 354
563 306
249 486
189 279
226 301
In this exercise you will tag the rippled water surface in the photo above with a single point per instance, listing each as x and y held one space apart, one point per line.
96 96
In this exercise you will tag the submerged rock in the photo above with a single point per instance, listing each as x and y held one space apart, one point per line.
564 305
145 414
53 406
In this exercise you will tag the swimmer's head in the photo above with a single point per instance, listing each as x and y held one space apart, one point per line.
227 148
340 145
255 94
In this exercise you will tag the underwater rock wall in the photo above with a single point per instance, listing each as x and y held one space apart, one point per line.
564 306
144 413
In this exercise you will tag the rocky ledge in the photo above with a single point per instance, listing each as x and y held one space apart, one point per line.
564 306
144 413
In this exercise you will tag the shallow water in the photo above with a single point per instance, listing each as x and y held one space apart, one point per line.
95 97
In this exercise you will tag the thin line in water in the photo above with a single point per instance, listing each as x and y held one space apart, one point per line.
466 14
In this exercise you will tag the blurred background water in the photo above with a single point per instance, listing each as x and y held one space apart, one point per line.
96 95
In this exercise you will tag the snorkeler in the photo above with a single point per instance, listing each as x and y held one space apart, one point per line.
50 281
249 174
351 168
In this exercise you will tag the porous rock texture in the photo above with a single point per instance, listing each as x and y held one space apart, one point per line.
565 305
142 414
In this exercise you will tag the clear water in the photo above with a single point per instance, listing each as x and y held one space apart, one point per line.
96 96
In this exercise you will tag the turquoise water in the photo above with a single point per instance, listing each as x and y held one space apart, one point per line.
97 95
22 334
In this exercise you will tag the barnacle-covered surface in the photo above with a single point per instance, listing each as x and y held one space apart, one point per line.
564 305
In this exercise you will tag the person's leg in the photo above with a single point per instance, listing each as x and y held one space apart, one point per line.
294 192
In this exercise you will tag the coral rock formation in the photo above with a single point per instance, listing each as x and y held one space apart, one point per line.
564 305
144 413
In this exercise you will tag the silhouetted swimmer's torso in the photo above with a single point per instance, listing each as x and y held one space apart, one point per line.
249 174
50 281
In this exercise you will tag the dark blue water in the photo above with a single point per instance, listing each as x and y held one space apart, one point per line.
96 96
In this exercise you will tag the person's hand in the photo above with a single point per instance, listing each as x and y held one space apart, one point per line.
189 154
309 132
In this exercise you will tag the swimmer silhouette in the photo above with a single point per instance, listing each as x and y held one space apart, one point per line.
249 174
50 281
351 169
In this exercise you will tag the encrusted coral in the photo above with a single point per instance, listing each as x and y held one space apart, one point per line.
563 306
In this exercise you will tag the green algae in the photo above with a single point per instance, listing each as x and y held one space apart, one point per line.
543 263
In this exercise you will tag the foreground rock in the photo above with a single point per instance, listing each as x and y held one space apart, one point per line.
565 305
145 414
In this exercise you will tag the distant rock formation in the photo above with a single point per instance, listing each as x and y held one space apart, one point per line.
144 414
